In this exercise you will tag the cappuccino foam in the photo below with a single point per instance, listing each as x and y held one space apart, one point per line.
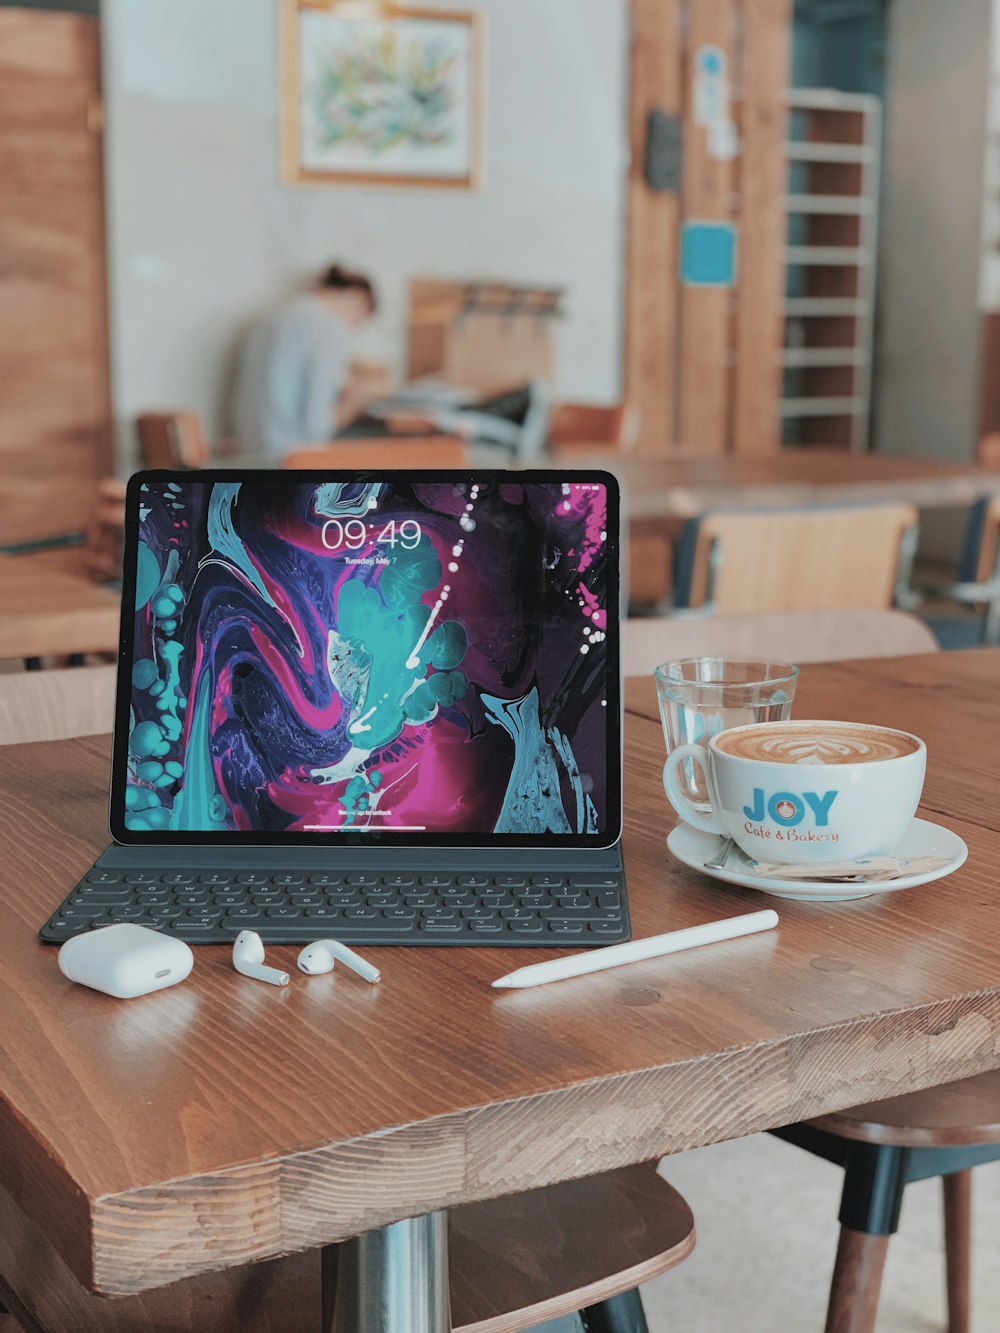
817 743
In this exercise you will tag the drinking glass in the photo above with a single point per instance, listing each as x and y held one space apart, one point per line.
700 696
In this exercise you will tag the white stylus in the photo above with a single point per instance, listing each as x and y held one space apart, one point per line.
596 960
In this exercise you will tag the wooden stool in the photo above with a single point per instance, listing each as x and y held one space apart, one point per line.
883 1147
580 1246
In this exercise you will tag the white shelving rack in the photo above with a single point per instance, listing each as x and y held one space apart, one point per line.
833 157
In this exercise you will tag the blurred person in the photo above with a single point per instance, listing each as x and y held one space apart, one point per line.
292 380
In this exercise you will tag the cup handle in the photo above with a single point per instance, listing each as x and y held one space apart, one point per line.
710 823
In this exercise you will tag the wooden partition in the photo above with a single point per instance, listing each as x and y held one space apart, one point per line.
54 384
702 357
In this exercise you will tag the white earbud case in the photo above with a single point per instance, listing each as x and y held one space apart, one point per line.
125 960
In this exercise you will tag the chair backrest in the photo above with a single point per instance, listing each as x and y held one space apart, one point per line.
980 558
172 439
430 451
750 562
54 705
796 636
573 425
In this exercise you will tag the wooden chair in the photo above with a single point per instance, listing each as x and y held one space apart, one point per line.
574 427
977 581
580 1246
172 440
427 451
749 562
883 1147
54 705
795 636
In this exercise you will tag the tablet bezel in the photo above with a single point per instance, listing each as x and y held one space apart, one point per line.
611 833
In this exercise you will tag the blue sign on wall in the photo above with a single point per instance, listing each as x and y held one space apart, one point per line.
708 254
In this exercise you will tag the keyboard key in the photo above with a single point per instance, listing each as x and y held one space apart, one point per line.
531 927
324 912
472 881
399 881
435 881
478 914
245 912
382 900
225 899
126 912
165 912
441 926
286 878
516 914
326 878
63 927
283 910
102 877
594 881
191 925
606 928
439 914
400 914
458 900
81 912
547 881
216 877
141 877
102 895
496 900
489 927
177 877
269 897
578 914
192 897
362 881
573 900
305 899
612 901
565 927
252 877
361 914
510 881
152 896
421 900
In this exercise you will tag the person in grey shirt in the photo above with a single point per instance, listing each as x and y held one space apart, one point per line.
291 381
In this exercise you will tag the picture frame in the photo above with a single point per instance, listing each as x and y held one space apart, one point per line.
376 94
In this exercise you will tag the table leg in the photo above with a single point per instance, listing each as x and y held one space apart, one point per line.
394 1280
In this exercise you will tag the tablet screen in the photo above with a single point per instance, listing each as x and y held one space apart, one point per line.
414 656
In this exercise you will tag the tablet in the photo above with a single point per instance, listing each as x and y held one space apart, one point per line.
415 658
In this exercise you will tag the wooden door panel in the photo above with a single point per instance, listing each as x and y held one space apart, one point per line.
55 414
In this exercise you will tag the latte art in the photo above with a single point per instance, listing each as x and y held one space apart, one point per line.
817 744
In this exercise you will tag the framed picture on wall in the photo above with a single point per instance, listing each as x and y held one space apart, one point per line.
379 94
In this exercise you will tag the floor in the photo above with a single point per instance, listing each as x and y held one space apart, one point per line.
767 1233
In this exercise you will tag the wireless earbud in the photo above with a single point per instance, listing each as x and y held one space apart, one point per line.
248 959
319 957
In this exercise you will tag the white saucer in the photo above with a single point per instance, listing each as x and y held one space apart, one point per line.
923 838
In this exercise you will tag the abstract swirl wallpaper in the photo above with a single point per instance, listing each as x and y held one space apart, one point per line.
323 657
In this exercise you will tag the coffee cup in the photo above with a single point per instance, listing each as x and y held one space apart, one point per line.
801 793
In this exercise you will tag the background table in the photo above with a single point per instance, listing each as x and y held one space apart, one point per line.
44 610
225 1121
682 486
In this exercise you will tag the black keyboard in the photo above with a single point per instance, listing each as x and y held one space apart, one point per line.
207 906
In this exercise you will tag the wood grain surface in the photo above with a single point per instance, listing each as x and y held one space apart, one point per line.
224 1121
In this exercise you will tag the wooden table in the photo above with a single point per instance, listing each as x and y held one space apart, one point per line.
225 1122
45 610
685 485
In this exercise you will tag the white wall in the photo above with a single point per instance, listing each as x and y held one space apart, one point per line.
929 335
203 233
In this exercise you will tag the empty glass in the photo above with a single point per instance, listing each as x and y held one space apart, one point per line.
700 696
